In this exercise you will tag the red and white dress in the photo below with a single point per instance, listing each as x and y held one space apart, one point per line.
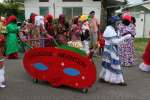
145 65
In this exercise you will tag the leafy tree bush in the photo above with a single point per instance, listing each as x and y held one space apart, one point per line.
9 8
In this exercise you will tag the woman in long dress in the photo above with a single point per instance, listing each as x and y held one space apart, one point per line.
126 48
111 70
12 46
2 45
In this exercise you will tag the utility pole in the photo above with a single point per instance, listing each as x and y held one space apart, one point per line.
54 9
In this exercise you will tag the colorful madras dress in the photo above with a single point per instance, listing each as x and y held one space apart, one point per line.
111 70
126 48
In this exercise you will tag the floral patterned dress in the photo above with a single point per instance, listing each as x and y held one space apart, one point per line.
126 49
75 32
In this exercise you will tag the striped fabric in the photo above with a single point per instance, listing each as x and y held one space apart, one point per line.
111 70
111 59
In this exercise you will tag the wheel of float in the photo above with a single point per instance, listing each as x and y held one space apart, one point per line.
85 91
35 80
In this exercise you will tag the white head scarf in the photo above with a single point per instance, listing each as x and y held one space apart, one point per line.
109 32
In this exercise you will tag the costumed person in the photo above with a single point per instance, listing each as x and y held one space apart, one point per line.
50 30
2 35
32 31
2 44
32 18
61 29
75 34
145 65
94 28
75 29
85 36
40 29
62 26
126 48
12 45
23 31
49 25
101 43
42 32
111 70
2 73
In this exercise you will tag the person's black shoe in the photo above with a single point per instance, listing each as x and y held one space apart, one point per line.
102 80
120 84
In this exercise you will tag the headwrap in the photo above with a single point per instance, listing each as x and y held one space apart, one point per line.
32 17
11 19
89 18
114 19
49 25
49 17
110 29
109 32
83 18
76 20
127 17
62 19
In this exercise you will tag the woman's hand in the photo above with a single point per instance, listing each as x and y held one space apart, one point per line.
49 36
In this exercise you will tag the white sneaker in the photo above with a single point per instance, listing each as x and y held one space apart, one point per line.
2 85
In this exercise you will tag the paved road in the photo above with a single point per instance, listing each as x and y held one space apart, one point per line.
21 87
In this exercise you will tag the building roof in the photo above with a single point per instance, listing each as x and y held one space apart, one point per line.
115 3
145 4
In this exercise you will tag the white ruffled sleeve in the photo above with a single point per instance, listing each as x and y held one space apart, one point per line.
121 39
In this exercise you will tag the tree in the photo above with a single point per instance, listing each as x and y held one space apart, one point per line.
9 7
12 8
2 8
9 1
103 15
105 12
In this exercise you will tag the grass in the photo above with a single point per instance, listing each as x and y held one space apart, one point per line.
140 44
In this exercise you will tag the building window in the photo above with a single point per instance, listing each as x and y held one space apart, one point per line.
72 0
70 12
43 0
44 10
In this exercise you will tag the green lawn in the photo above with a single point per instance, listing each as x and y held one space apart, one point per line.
140 44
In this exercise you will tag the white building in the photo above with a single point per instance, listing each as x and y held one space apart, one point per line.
68 7
141 12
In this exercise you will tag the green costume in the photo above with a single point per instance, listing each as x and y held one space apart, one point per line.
12 45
